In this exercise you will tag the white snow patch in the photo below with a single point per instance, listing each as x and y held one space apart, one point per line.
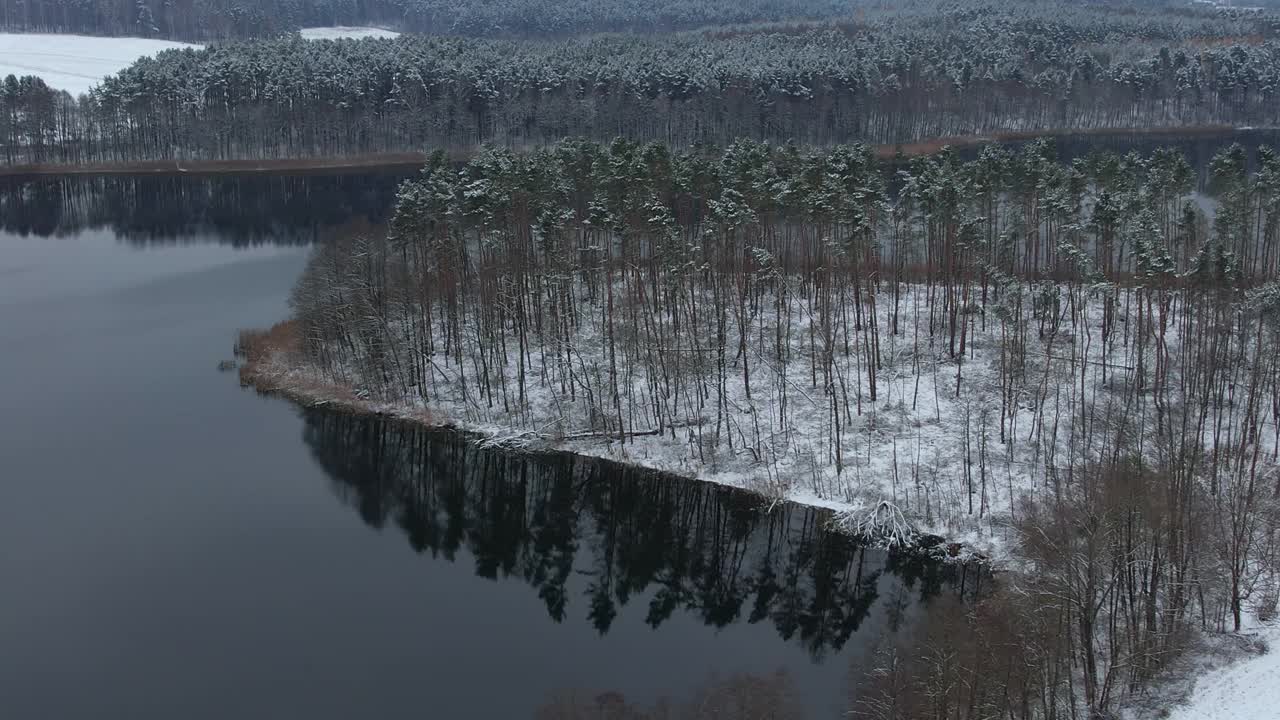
338 33
74 63
1246 690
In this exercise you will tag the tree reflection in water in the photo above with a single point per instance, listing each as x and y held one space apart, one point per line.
693 547
237 209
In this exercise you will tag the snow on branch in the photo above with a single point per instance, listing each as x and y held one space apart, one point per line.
884 525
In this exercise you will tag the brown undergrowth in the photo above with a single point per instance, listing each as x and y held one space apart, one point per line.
260 349
273 366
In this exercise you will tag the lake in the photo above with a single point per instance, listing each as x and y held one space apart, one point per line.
174 545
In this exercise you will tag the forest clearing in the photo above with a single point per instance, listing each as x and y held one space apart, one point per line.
74 63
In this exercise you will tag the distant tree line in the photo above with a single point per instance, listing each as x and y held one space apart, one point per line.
202 20
908 77
206 20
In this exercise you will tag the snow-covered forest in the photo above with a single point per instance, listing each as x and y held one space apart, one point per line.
1077 357
225 19
204 20
914 74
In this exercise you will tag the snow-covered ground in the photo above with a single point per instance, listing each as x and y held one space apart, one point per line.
1245 690
336 33
936 440
74 63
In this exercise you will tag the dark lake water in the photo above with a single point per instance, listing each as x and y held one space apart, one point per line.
175 546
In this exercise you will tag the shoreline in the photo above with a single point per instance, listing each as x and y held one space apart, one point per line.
264 368
269 375
410 160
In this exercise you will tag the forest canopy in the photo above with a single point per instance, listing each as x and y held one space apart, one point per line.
225 19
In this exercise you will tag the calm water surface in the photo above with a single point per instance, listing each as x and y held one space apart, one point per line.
172 545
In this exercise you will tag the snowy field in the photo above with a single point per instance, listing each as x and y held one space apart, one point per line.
73 63
76 63
1246 690
337 33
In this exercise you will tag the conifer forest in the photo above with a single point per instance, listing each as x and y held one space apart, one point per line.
830 252
881 76
1079 353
